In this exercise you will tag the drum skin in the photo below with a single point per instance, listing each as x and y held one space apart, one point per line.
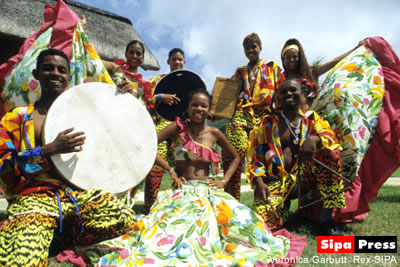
121 140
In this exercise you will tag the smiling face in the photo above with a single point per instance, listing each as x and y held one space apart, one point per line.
176 61
134 55
291 59
289 95
252 51
198 108
53 75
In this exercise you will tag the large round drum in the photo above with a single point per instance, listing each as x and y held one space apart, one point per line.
121 140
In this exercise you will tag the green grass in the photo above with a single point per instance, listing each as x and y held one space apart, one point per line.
396 173
383 220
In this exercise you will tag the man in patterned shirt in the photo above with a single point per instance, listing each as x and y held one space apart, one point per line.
281 152
40 202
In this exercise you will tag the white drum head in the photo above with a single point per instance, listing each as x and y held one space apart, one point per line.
121 139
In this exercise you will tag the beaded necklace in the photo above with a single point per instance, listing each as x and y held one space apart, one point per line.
296 131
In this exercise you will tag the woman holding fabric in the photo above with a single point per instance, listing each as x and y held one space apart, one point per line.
351 99
296 66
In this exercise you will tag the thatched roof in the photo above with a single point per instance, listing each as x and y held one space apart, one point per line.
108 32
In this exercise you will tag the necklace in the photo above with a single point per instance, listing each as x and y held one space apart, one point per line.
296 131
252 76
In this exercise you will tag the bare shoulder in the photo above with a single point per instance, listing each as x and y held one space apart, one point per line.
215 131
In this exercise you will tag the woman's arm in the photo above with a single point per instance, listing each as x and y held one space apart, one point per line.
231 152
321 69
169 132
174 176
110 66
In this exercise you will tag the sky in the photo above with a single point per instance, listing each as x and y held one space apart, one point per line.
211 31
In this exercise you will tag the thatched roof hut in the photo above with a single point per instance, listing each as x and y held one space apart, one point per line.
108 32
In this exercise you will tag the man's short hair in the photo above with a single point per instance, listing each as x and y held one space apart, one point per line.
252 37
175 50
50 52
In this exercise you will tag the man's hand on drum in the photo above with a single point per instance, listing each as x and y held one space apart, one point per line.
170 99
65 142
178 181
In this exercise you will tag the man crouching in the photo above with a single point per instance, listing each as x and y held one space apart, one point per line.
281 151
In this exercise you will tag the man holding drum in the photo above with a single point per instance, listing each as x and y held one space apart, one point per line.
39 201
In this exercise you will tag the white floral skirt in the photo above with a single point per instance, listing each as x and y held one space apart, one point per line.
195 225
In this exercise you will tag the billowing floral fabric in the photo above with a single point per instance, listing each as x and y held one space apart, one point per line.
19 87
351 99
383 155
196 225
86 64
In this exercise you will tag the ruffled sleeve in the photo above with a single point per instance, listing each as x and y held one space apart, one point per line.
193 147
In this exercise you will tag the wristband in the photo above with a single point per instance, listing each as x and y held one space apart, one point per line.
171 170
158 97
32 153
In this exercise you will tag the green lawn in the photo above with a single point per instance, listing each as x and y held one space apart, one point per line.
383 220
396 173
